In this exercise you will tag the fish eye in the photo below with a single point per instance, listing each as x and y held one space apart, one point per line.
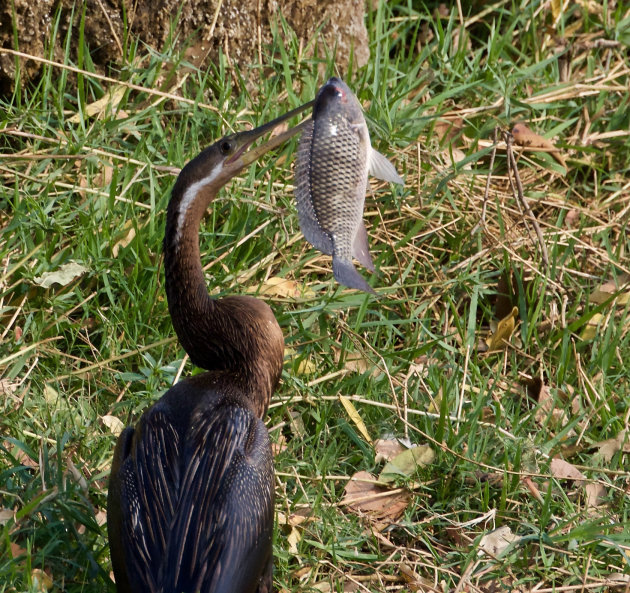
226 147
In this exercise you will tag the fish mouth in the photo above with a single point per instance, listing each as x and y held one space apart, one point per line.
243 156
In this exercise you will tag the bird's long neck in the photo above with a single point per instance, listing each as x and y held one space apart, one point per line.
236 336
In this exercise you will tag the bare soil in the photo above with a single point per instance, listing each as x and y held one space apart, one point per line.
240 28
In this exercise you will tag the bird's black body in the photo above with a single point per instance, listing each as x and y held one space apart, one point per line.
196 485
191 491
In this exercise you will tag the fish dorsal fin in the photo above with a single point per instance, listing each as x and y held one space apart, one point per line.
360 248
381 167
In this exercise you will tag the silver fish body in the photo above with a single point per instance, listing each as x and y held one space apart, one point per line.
334 158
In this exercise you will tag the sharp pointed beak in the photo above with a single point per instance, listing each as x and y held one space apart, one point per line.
243 157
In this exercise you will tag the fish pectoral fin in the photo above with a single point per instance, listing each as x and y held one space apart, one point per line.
361 249
382 168
346 274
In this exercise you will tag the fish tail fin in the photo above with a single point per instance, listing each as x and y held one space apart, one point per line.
346 274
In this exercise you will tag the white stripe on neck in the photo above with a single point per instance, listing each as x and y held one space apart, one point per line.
189 197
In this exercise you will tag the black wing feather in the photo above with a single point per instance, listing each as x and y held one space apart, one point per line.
149 482
197 511
230 493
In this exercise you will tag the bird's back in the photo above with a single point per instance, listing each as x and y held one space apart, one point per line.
194 496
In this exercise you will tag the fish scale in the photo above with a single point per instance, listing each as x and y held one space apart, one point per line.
339 195
334 156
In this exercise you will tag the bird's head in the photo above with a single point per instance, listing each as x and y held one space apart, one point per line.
200 180
228 156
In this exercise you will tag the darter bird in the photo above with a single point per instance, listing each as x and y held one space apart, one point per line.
191 491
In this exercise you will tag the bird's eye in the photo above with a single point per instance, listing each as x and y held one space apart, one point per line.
225 147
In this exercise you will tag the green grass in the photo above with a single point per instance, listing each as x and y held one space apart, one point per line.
95 190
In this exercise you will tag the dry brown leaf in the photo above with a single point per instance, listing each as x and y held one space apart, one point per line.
523 136
65 274
500 338
20 456
101 517
302 573
113 424
303 515
283 288
546 413
457 535
387 449
442 11
425 35
122 243
563 470
16 550
591 329
572 219
106 104
421 365
363 495
76 475
408 574
545 400
281 518
495 479
497 541
104 177
608 289
595 495
305 366
101 179
556 9
447 129
355 362
414 581
297 424
293 539
618 581
279 129
6 515
455 155
7 387
41 580
461 40
607 448
279 445
405 464
572 30
592 6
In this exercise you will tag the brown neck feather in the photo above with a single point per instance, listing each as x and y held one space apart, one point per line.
237 336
